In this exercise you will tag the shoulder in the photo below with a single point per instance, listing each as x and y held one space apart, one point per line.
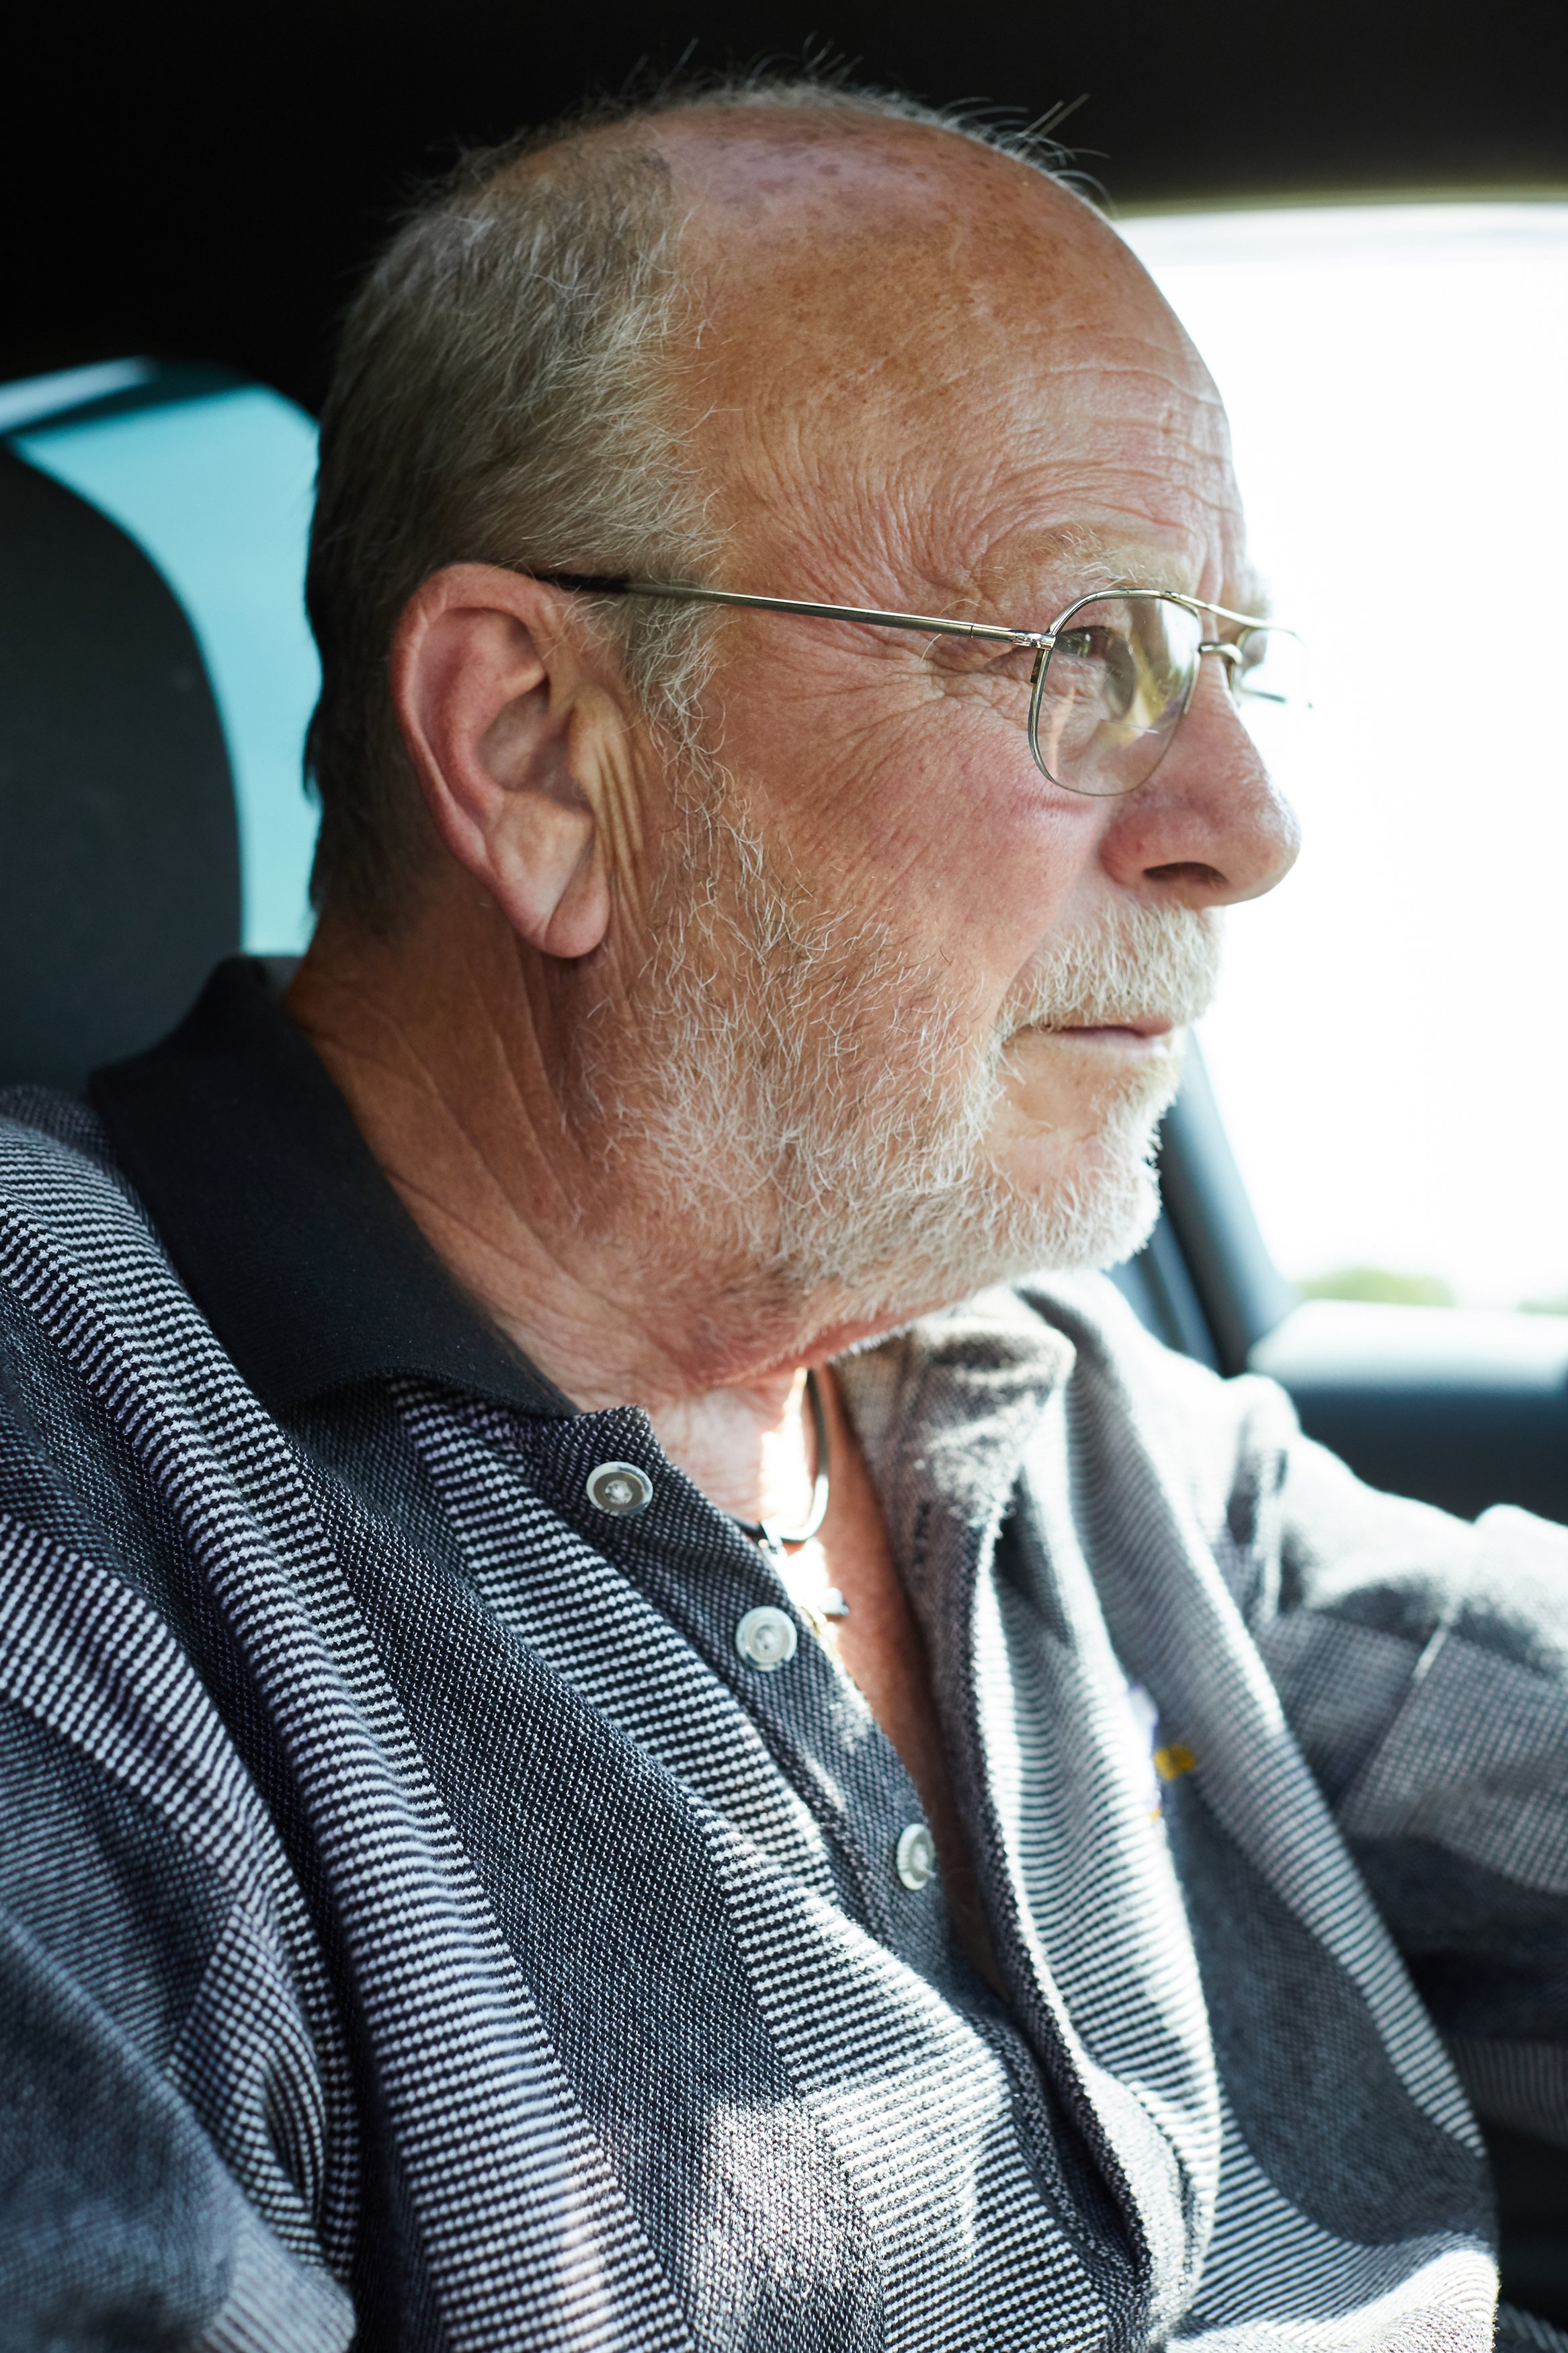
82 1270
44 1116
115 1392
71 1227
1224 1446
57 1169
1073 1339
1120 1368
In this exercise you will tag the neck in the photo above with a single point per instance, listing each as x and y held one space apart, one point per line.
468 1119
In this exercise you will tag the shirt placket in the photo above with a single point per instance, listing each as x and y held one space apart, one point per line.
607 1475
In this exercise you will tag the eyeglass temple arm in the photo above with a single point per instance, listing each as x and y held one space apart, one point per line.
618 585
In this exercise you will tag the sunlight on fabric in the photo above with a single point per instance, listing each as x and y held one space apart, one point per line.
1389 1047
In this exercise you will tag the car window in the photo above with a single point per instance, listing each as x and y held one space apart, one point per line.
217 491
1387 1048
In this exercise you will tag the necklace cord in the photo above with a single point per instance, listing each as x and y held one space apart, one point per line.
768 1532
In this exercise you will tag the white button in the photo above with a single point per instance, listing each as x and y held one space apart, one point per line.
914 1857
766 1637
620 1489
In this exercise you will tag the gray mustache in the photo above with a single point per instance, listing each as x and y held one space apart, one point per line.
1141 963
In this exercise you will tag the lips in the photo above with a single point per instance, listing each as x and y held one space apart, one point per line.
1142 1026
1133 1025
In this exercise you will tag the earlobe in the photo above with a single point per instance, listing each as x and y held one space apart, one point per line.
487 691
544 872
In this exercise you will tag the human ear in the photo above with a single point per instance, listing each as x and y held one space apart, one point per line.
514 748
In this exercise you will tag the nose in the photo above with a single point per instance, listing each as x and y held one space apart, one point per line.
1210 826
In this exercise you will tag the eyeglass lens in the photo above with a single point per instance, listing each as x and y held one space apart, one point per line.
1272 689
1109 695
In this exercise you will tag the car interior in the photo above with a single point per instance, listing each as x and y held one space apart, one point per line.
157 376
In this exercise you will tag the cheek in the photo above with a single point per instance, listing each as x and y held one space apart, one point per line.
917 809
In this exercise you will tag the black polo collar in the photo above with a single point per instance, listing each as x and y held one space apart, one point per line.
279 1220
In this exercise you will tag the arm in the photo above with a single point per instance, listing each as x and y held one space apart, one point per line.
1422 1663
160 2125
1424 1666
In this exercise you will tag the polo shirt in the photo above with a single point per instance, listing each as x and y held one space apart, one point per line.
424 1924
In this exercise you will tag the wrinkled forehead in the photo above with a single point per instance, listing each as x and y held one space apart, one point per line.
917 350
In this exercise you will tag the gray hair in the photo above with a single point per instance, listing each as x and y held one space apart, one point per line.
503 394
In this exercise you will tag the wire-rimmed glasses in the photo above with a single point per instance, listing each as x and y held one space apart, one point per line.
1112 676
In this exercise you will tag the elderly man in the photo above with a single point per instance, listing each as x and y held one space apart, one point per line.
608 1741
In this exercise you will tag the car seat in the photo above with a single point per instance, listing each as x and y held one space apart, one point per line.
155 678
118 844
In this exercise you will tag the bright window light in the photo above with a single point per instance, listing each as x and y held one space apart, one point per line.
1390 1048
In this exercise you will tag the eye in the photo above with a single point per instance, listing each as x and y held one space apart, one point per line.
1094 660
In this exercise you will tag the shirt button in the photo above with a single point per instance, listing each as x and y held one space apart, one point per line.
620 1489
766 1637
914 1857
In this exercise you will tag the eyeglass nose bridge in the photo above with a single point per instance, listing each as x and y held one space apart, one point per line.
1230 655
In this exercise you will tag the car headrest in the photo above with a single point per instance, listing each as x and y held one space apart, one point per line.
119 882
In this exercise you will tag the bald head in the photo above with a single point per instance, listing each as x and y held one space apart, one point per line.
796 341
891 321
840 226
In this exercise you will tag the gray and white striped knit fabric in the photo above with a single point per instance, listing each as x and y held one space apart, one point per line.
419 1926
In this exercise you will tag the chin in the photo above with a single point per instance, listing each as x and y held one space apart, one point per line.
1097 1212
1091 1212
1071 1201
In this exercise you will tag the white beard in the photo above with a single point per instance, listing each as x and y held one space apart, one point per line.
804 1109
